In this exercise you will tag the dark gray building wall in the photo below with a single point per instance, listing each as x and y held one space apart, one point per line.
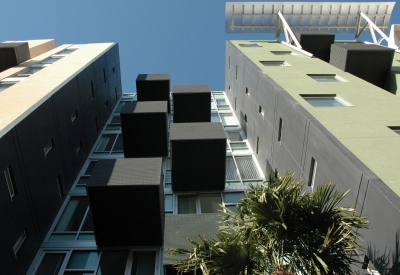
38 200
303 138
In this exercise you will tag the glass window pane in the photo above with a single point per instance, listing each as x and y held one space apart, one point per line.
116 120
88 224
90 168
215 118
235 136
143 263
247 168
210 203
50 264
105 143
233 197
167 176
186 205
113 262
168 163
83 260
325 102
62 237
5 86
73 214
233 208
118 144
168 202
86 237
228 120
231 170
50 60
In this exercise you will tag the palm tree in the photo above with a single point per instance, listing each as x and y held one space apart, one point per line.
279 229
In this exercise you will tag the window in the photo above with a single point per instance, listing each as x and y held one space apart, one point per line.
250 45
52 59
247 91
74 116
280 129
395 129
109 144
59 186
235 103
325 101
239 147
247 168
236 72
20 241
232 199
274 63
92 87
169 204
229 62
245 117
257 145
97 125
228 120
282 53
10 182
167 179
113 70
47 148
208 202
313 170
81 184
104 75
260 110
78 147
234 136
4 86
106 104
51 263
31 70
326 78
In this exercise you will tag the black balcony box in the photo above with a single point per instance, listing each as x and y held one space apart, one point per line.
13 54
145 129
153 87
317 43
198 152
192 103
127 202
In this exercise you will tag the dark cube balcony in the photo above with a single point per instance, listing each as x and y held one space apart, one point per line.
198 156
127 202
145 129
192 103
13 54
366 61
317 43
153 87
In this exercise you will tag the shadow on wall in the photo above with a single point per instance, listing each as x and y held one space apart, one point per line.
385 262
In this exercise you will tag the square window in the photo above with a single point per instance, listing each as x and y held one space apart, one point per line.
247 91
275 63
250 45
4 86
282 53
325 101
326 78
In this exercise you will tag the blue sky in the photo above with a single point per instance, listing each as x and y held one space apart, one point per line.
185 38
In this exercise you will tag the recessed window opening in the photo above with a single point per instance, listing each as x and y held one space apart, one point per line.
260 110
52 59
13 79
258 145
274 63
113 70
280 129
59 186
106 104
235 103
20 241
282 53
326 78
30 71
10 182
74 116
78 147
250 45
229 62
247 91
313 170
245 117
97 125
325 100
104 75
5 85
92 87
395 129
236 72
47 148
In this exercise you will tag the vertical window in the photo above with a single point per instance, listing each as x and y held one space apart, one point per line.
235 103
104 75
247 91
280 130
210 203
20 242
229 63
258 145
92 87
187 204
59 186
260 110
313 170
106 104
47 148
236 72
113 70
74 116
78 147
245 117
10 182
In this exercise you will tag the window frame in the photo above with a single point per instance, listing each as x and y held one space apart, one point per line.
10 181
